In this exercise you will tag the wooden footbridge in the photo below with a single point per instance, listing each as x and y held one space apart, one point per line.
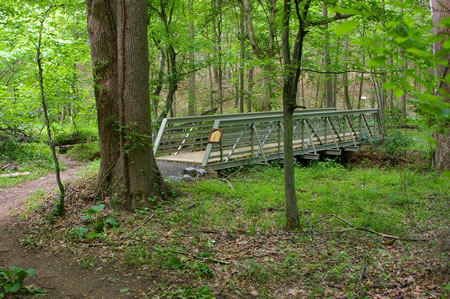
250 138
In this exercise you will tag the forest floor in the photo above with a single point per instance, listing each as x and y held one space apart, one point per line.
225 237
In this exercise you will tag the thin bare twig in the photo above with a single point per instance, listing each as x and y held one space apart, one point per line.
138 227
207 259
378 233
313 235
228 182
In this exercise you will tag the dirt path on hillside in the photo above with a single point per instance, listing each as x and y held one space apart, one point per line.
61 275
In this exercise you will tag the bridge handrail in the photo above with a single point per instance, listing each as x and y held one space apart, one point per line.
210 118
264 119
192 132
188 119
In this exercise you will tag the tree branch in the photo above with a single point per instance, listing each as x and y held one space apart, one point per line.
336 17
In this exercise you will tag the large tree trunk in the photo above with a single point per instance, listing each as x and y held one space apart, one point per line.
101 18
118 37
439 9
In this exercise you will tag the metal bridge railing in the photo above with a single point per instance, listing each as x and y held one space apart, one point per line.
255 138
191 133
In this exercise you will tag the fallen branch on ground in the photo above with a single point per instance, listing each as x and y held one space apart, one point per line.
15 174
138 227
378 233
207 259
228 182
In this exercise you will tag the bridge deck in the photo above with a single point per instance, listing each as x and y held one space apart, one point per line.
258 137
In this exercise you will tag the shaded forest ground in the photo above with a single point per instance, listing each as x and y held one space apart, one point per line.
225 237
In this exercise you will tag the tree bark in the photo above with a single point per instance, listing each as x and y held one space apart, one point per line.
59 208
291 75
101 19
192 75
260 54
251 73
241 62
217 26
440 10
327 60
119 50
159 84
348 103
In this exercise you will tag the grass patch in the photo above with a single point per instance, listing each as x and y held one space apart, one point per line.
85 152
379 199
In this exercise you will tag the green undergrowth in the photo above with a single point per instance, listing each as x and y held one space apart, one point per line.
25 157
399 140
64 134
385 200
225 237
241 219
84 152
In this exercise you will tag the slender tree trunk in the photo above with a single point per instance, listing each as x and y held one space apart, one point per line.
59 208
316 104
217 24
303 91
335 76
263 56
402 99
192 75
348 103
172 72
173 110
251 73
156 94
361 83
327 60
236 89
291 75
241 62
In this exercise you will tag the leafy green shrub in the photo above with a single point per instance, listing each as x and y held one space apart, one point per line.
70 134
397 142
11 281
85 152
394 118
98 224
26 152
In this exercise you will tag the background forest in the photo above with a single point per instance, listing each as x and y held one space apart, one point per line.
203 57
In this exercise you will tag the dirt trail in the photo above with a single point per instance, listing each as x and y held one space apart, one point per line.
13 197
62 276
